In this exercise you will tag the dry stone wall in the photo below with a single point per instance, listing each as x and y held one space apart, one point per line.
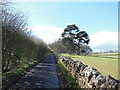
88 77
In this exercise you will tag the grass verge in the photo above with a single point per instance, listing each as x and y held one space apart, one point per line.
69 80
9 78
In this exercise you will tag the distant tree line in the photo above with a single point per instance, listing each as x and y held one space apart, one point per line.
18 45
73 41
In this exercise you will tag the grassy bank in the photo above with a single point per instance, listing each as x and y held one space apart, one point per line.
69 80
103 65
14 75
9 78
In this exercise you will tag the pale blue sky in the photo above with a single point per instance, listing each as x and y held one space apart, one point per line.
87 15
94 17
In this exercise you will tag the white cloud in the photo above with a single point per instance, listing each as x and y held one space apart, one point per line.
47 32
104 40
99 41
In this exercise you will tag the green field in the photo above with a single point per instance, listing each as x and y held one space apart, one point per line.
104 65
107 55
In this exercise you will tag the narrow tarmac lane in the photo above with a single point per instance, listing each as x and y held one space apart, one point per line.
43 75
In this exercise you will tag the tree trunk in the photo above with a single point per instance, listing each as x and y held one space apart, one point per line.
6 68
79 48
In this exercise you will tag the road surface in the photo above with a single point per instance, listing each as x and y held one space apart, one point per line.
43 75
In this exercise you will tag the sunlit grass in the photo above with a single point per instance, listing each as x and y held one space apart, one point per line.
104 65
107 55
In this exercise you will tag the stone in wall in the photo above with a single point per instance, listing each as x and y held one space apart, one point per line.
88 77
